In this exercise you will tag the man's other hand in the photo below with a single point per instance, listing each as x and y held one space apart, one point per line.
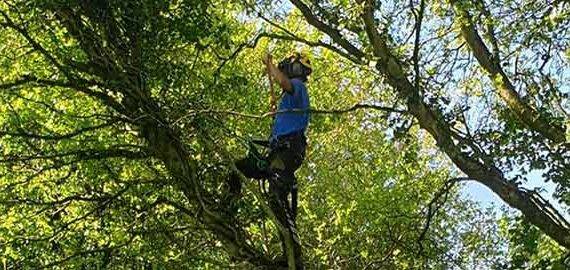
267 59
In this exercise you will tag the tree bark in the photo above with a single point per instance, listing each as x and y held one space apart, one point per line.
165 144
475 165
524 112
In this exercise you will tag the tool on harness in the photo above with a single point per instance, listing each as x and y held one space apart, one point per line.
297 65
258 161
255 157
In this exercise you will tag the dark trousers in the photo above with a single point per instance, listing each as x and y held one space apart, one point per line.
285 156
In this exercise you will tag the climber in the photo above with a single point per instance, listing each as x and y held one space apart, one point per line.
287 142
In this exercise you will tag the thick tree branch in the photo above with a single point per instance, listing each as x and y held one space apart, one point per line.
287 231
523 111
165 144
476 167
163 141
327 29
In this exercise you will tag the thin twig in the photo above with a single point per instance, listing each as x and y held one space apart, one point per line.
433 208
300 111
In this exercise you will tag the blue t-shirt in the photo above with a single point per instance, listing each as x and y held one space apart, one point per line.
291 122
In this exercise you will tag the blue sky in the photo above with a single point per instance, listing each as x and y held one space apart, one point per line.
487 198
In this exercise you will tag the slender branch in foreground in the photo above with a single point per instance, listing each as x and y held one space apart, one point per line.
87 154
318 43
312 111
433 207
106 248
79 85
287 36
56 137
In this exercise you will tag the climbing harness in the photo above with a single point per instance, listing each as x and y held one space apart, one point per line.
254 156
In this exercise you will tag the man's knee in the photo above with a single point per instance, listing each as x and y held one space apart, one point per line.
250 168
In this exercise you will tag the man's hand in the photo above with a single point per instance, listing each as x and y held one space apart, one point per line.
268 61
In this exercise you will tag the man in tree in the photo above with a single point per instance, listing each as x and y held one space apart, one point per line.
287 142
287 145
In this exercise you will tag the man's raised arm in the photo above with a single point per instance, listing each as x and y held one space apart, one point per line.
274 72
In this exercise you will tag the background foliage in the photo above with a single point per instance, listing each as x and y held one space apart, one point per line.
120 120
